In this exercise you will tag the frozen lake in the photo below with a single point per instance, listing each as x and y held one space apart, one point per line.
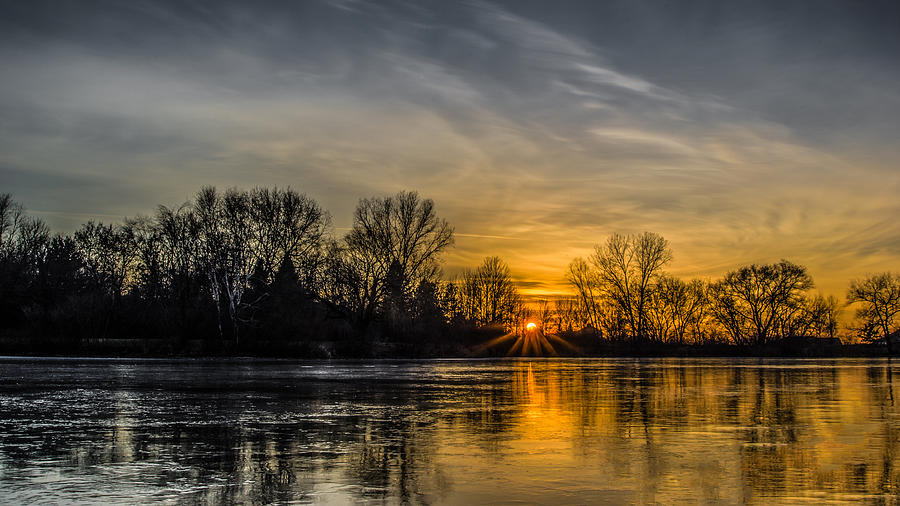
449 431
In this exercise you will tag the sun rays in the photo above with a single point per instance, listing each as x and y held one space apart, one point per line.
531 341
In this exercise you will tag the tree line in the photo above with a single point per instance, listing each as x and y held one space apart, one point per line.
623 293
262 266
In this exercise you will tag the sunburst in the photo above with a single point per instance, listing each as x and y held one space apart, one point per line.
531 342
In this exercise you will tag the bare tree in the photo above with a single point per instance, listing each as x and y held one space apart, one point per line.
401 235
11 216
354 282
245 236
586 282
544 314
23 244
488 295
110 254
22 237
878 300
817 317
699 321
565 310
224 230
752 302
174 267
627 265
675 307
287 225
174 242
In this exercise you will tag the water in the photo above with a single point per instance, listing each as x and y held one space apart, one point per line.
454 432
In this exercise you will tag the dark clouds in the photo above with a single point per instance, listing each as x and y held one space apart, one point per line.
741 130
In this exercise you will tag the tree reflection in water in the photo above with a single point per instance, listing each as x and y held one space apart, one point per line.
448 431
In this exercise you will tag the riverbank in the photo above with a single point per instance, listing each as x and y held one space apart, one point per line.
480 346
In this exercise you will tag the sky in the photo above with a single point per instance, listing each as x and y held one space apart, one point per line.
743 132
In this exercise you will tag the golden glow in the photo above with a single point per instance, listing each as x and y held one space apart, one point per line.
529 340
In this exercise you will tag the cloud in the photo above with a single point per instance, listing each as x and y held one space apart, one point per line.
605 76
645 140
535 138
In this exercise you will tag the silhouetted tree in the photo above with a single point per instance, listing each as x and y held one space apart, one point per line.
400 237
23 240
449 300
817 317
243 236
675 307
488 295
544 314
282 312
109 253
261 264
627 265
11 217
173 268
878 300
351 285
109 256
564 309
286 224
426 306
753 302
587 284
62 271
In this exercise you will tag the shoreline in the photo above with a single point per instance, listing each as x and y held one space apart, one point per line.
579 347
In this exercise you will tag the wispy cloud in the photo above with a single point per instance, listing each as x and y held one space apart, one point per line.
535 138
608 77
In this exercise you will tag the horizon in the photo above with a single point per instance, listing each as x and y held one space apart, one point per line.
464 252
743 134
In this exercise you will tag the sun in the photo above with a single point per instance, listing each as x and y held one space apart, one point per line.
529 340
